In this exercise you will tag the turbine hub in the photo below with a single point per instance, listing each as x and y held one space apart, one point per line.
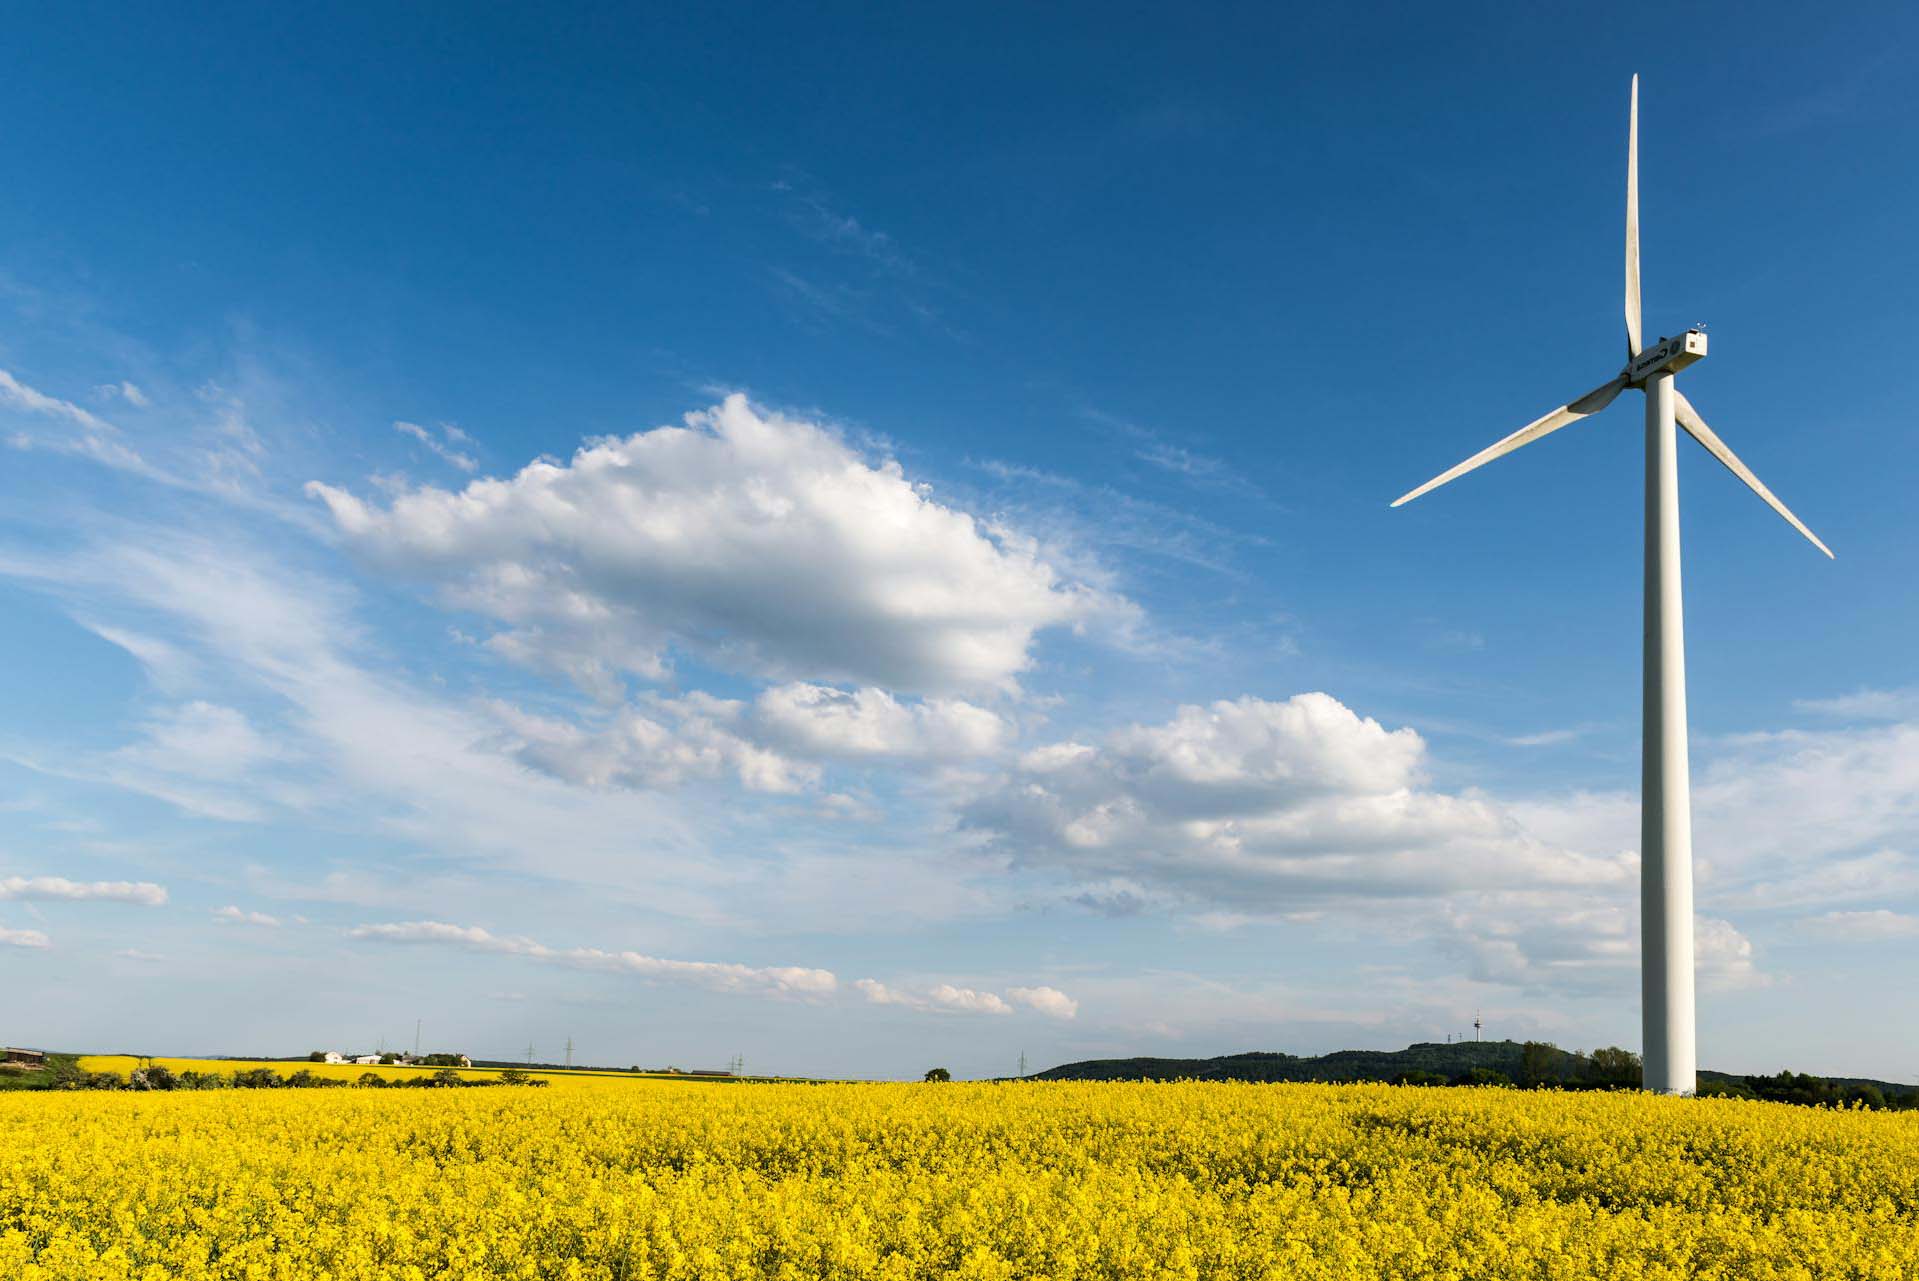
1667 356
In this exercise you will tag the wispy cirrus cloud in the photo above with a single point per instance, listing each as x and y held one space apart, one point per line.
1082 524
408 761
209 448
820 219
1866 705
87 433
1552 737
200 757
1197 470
123 390
443 444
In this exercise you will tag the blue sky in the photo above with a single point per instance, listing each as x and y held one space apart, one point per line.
862 542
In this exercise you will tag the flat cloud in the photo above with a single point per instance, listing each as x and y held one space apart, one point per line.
1866 705
759 542
232 915
23 938
1872 925
783 980
949 998
143 893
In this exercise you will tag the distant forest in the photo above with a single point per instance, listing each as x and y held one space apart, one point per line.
1522 1064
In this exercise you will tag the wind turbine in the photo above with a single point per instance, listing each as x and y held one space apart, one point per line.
1665 823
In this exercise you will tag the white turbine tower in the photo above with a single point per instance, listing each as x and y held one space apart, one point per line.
1665 827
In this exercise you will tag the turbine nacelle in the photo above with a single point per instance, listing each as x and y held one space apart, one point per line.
1667 356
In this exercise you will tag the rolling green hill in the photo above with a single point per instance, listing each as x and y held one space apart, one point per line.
1433 1063
1456 1059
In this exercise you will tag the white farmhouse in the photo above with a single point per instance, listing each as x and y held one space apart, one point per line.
334 1056
368 1059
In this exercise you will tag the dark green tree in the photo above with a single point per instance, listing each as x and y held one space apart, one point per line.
1539 1063
1612 1066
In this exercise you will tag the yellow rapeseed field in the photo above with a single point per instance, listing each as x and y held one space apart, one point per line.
622 1178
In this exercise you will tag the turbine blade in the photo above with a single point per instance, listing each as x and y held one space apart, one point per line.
1696 427
1590 403
1632 225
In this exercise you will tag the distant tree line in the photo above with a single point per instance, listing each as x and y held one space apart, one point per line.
1811 1091
1543 1065
1514 1064
70 1076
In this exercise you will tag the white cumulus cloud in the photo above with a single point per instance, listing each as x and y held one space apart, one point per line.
754 540
1554 940
817 720
1254 804
1049 1001
668 743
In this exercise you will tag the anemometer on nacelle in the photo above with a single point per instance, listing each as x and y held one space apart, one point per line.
1667 356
